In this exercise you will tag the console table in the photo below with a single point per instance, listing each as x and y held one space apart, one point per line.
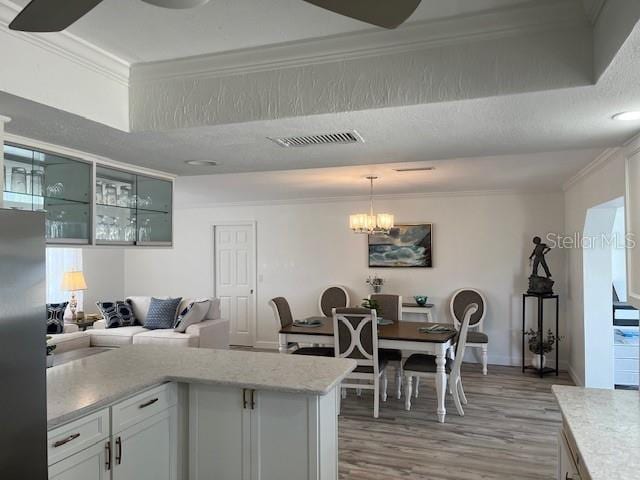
427 310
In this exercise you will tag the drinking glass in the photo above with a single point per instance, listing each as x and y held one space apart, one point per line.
130 230
144 234
124 199
100 192
37 182
18 180
111 194
101 228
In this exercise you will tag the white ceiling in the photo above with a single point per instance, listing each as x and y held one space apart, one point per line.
538 172
138 32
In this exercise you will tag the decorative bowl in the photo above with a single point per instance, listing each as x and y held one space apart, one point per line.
421 300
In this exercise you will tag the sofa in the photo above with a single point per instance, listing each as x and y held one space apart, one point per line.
212 332
71 339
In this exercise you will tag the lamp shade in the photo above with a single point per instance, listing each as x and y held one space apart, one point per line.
73 281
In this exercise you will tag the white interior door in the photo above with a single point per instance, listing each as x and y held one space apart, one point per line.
235 275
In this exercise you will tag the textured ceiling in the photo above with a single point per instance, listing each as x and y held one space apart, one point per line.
539 172
138 32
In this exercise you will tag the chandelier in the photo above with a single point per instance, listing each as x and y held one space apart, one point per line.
370 222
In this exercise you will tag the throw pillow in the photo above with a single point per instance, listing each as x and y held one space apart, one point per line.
195 312
117 314
162 313
55 317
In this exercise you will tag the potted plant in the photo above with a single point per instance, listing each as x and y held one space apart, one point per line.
50 349
375 283
539 355
371 305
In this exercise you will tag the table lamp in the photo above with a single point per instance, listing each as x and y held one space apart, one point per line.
73 282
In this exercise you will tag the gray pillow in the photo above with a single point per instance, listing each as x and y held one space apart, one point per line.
195 312
162 313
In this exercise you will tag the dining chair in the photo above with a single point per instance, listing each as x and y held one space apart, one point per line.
390 307
476 339
284 318
334 296
355 333
423 365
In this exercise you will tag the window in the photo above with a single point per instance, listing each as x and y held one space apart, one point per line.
59 261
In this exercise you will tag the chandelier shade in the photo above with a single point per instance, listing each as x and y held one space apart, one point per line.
370 222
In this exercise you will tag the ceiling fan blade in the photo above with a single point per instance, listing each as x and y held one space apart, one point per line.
383 13
51 15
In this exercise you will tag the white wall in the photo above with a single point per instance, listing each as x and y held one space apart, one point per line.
600 183
104 272
481 241
619 256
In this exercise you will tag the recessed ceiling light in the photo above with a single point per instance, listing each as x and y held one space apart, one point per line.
627 116
201 163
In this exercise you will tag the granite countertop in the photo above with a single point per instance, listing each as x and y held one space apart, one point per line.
605 425
85 385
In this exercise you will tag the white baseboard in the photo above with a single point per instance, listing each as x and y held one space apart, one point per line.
575 377
266 345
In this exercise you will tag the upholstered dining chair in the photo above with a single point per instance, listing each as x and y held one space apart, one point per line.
476 339
390 307
284 318
355 333
334 296
423 365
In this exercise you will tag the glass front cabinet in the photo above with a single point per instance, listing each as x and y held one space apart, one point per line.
120 208
132 209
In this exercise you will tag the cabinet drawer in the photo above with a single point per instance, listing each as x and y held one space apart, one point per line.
69 439
142 406
627 364
626 351
622 377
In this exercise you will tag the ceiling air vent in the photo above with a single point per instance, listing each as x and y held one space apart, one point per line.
324 139
416 169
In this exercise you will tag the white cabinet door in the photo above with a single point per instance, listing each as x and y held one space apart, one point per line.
147 450
219 433
633 226
567 469
294 436
89 464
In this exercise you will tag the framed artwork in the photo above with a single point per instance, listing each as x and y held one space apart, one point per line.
404 246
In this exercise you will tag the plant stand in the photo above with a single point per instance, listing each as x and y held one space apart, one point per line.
541 298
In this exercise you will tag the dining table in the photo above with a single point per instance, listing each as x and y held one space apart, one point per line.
403 336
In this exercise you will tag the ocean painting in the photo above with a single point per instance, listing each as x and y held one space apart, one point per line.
403 246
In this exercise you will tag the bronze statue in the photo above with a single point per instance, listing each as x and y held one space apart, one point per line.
537 257
540 285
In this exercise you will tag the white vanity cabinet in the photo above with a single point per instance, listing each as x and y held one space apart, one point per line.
135 439
244 434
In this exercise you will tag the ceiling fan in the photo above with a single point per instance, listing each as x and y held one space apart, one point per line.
56 15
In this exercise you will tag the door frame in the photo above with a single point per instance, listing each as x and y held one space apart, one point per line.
254 229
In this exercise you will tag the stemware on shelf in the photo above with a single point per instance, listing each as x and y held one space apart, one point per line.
124 199
99 192
55 190
144 235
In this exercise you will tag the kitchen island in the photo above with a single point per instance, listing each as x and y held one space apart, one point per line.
154 412
600 437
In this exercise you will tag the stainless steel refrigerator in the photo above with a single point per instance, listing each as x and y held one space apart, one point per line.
23 400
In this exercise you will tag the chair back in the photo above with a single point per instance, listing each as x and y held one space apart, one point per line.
461 299
282 312
389 306
334 296
355 333
461 342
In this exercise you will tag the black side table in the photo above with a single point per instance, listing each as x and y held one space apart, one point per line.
541 298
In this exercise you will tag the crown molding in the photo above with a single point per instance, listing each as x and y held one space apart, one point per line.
363 198
500 23
594 9
596 164
68 46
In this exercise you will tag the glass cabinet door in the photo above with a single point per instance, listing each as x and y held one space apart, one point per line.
57 185
116 198
154 209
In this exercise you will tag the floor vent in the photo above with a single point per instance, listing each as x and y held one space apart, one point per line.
324 139
417 169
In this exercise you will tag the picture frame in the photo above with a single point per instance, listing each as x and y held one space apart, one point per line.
408 245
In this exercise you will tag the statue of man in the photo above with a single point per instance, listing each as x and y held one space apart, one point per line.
537 257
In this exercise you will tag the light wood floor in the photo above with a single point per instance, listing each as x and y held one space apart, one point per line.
508 432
